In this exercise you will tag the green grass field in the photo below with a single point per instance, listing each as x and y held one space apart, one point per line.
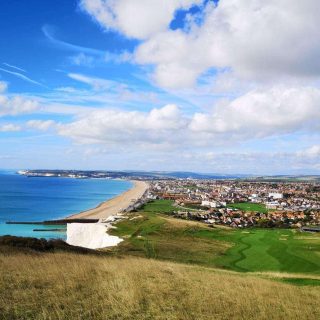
275 250
155 235
159 206
248 206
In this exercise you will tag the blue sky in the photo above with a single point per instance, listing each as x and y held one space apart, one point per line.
24 43
160 85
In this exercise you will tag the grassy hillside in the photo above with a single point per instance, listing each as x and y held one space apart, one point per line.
71 286
165 268
150 234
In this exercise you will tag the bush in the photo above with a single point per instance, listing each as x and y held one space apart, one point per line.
41 245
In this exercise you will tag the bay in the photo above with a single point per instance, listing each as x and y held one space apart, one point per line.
36 199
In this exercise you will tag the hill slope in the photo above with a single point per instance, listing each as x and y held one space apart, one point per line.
166 268
71 286
153 233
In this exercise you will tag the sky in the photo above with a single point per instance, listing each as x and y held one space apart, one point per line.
223 86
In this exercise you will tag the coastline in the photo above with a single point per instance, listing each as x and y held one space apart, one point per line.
114 205
95 235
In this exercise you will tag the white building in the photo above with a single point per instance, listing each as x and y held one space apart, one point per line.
272 205
210 204
275 195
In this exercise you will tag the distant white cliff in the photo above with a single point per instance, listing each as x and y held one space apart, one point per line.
90 235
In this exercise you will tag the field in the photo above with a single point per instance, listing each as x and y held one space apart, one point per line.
270 250
153 235
249 206
167 268
159 206
70 286
149 234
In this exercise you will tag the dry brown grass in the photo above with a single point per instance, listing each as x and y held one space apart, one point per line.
71 286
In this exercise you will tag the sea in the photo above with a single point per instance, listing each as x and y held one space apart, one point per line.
36 199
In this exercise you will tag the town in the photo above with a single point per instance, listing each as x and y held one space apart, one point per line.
242 204
267 202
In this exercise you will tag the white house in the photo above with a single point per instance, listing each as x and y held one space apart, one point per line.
210 204
275 195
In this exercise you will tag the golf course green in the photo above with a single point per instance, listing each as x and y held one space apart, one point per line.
273 250
152 232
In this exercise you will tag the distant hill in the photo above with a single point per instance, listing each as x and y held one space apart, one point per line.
281 178
132 174
127 174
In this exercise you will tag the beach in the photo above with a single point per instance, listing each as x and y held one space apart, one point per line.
115 205
95 235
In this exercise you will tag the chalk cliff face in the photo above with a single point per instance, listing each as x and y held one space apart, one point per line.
90 235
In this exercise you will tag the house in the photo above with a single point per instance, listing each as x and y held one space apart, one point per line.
210 204
275 195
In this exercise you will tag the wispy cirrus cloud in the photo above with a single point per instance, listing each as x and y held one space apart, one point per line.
95 83
23 77
13 67
112 92
49 32
85 56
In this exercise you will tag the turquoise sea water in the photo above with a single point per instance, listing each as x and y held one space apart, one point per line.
48 198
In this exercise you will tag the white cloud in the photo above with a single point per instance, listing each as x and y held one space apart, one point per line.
255 38
67 89
312 152
240 55
9 128
82 59
42 125
177 57
257 114
16 105
130 128
252 162
3 87
135 18
95 83
108 92
86 60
